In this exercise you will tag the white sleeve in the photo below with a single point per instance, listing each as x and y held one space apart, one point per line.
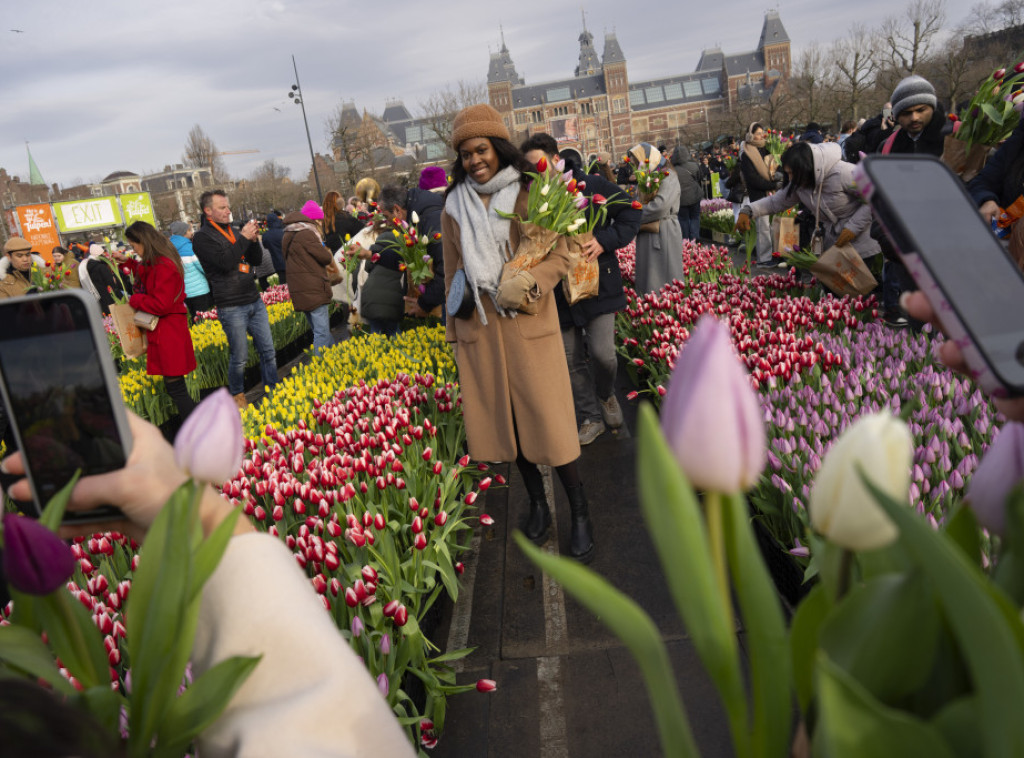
310 695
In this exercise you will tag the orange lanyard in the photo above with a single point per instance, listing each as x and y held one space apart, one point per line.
230 233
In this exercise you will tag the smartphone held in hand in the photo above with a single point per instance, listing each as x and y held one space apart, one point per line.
974 287
59 385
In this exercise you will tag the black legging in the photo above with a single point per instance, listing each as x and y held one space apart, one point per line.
568 474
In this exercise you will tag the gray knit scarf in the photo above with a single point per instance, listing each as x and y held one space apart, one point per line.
484 234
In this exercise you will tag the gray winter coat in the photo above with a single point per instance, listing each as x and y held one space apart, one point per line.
688 174
840 206
659 257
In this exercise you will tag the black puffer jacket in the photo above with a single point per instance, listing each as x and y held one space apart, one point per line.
619 229
689 177
931 141
272 240
866 139
221 259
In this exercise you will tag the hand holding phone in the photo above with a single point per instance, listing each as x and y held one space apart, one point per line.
973 286
58 383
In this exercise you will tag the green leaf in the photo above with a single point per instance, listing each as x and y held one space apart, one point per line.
634 627
208 555
105 706
676 525
1009 570
766 633
958 724
201 705
977 612
852 724
884 633
995 116
73 636
962 528
22 650
156 612
53 513
453 656
803 638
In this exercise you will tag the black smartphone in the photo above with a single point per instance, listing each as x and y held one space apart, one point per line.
60 388
974 286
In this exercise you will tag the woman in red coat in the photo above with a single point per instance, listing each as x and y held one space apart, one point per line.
159 288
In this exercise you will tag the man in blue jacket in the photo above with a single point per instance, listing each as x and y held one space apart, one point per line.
228 257
589 325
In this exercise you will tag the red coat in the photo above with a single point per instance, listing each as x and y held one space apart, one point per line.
160 289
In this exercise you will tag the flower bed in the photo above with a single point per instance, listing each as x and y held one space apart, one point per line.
818 363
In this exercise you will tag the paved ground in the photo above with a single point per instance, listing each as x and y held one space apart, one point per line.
567 688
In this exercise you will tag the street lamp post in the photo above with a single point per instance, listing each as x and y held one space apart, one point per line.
296 95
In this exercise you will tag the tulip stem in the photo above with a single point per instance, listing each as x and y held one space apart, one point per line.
716 535
845 569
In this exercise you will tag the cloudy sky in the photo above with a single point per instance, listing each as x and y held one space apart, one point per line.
103 86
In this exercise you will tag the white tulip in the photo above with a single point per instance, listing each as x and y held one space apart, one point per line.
841 508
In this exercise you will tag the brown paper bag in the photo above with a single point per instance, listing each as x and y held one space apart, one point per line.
963 162
785 234
133 341
413 291
843 271
582 279
535 242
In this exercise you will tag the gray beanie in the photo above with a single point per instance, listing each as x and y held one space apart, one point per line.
911 91
180 228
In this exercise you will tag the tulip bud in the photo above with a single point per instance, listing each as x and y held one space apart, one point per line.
385 644
420 542
415 217
999 74
441 519
382 684
351 599
542 165
401 616
486 685
486 520
36 560
390 608
711 416
209 445
369 574
841 508
999 471
357 626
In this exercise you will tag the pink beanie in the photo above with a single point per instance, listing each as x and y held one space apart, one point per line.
432 177
312 211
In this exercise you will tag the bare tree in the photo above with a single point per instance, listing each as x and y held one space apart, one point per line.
810 81
343 129
907 39
201 152
986 18
441 106
855 67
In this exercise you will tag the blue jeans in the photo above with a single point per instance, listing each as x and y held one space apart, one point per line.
236 321
895 281
382 326
320 321
689 221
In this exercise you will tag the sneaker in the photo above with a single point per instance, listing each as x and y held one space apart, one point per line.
590 431
612 412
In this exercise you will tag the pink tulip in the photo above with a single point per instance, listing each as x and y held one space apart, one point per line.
486 685
385 644
711 416
357 626
486 520
999 471
382 684
209 445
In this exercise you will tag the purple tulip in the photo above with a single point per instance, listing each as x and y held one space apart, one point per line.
385 644
36 560
582 202
382 684
209 445
711 417
1000 470
357 626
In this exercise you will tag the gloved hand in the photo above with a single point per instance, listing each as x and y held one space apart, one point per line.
845 237
743 222
512 292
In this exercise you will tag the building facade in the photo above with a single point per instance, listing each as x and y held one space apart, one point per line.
599 109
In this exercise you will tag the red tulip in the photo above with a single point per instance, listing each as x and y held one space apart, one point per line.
401 616
486 685
486 520
542 165
391 607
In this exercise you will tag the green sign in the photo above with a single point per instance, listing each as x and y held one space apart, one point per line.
137 207
79 215
716 186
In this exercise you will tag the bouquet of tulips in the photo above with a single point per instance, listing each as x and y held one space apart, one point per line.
646 172
412 247
48 277
583 278
776 145
554 207
988 119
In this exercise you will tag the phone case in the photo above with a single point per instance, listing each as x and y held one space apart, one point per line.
100 343
980 370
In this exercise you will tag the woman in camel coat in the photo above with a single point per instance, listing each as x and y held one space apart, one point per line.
517 400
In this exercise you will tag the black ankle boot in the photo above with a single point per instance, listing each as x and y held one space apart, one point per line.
182 400
581 537
538 523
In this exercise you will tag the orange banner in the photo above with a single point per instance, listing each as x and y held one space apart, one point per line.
37 226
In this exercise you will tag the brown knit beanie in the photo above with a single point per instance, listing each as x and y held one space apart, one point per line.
478 121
